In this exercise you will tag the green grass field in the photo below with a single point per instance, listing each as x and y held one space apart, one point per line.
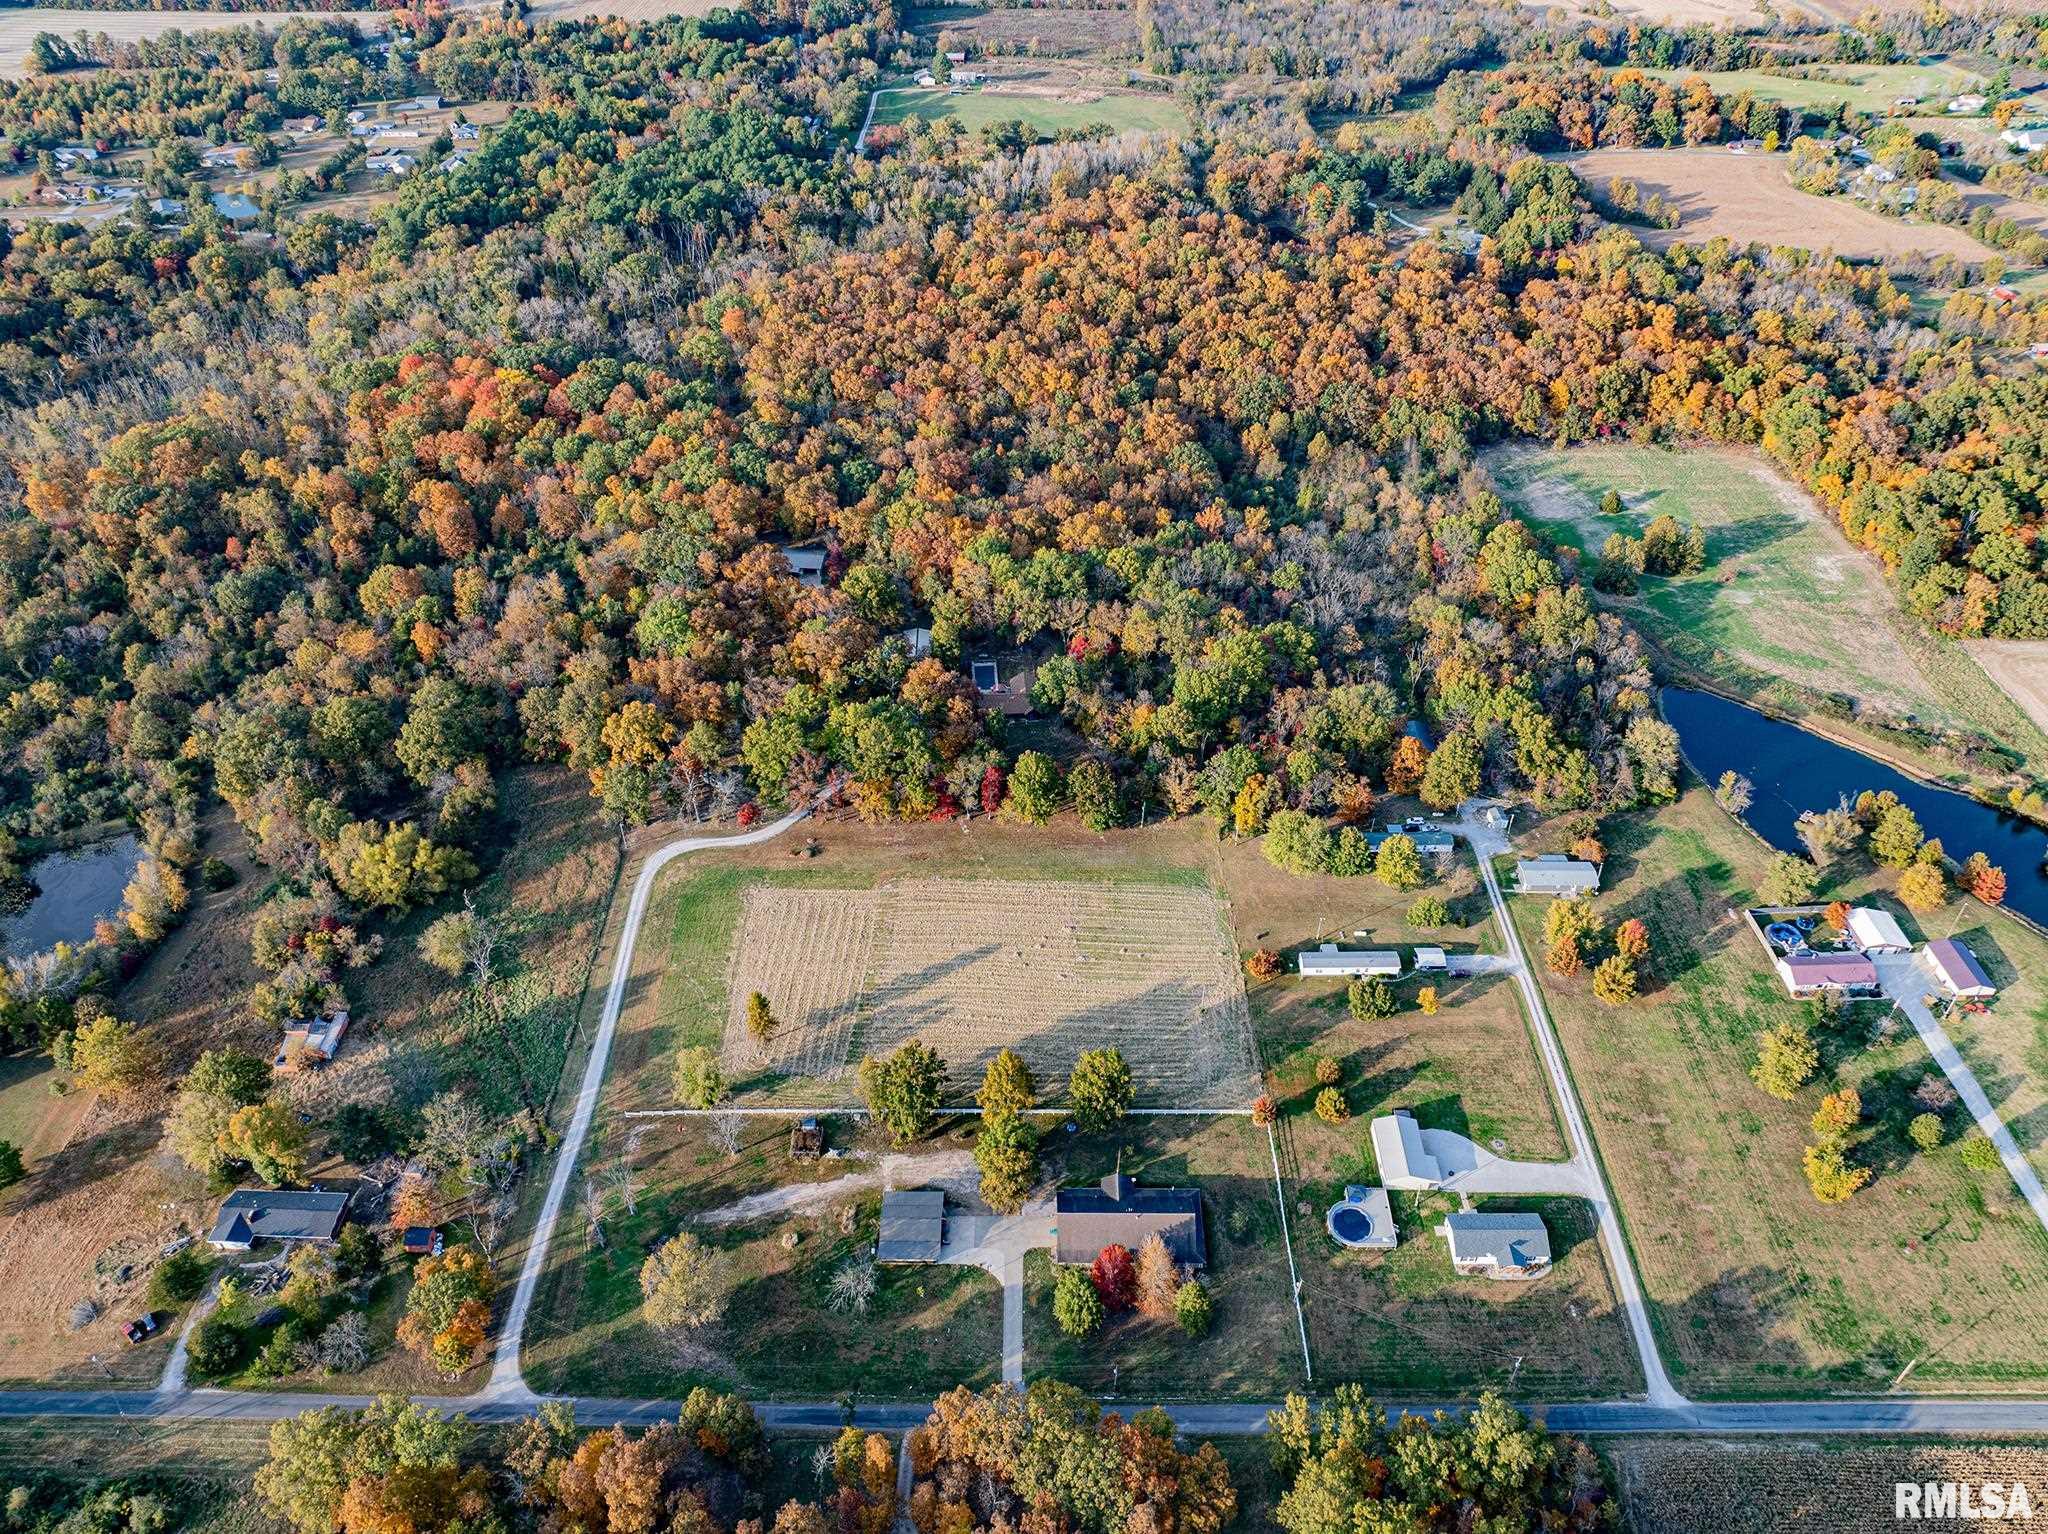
1787 612
1865 87
1755 1287
975 108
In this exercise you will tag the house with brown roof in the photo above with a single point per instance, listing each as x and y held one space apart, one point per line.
1117 1212
1004 682
1957 971
1809 974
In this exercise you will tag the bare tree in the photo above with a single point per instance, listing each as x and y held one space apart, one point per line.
618 1176
593 1211
725 1131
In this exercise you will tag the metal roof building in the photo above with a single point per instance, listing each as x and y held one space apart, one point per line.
913 1226
1120 1213
1555 874
1958 970
1404 1161
1876 931
1355 963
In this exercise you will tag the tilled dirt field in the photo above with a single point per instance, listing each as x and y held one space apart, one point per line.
969 966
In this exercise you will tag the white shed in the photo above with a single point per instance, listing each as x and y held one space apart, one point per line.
1404 1161
1431 958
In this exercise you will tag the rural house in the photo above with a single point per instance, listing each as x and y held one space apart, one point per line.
1429 840
1503 1246
1355 963
1876 931
1809 974
1555 874
250 1215
807 563
1957 971
1120 1213
1004 683
913 1226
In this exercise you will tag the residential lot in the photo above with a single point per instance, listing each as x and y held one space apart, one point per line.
1756 1288
1786 613
1747 198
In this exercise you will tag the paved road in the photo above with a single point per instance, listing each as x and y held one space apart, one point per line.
506 1382
1907 982
1487 843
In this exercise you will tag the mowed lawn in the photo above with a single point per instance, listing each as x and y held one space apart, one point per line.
1755 1287
975 108
1787 612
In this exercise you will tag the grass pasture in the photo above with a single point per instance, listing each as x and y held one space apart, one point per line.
1863 87
1756 1288
1787 612
1063 107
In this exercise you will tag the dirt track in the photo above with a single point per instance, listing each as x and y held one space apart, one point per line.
1747 198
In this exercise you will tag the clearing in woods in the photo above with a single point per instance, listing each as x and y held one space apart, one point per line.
1747 198
969 966
1786 613
1048 109
1863 87
2020 668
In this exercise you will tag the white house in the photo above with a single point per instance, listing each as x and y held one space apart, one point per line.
1876 931
1330 961
457 160
2026 140
223 157
1553 873
464 131
1967 103
1404 1161
396 163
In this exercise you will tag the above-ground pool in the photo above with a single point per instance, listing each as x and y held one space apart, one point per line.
1784 934
1350 1224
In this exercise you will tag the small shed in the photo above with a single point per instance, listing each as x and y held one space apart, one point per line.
1957 970
913 1226
1432 959
421 1241
1331 961
806 1139
1876 931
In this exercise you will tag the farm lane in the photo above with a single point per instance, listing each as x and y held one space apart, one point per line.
1487 844
953 1170
1907 984
506 1382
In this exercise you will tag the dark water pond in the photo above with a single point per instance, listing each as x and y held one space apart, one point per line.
78 888
1795 771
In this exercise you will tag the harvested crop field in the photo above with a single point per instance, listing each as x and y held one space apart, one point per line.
1747 198
624 10
2020 668
969 966
1691 1486
18 28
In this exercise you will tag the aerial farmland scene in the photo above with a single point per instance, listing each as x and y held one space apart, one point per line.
1023 767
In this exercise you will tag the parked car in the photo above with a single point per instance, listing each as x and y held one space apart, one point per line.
142 1326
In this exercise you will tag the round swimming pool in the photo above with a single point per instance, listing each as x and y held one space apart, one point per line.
1350 1225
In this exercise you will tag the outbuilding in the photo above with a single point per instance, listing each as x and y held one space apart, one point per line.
1431 959
1957 971
1332 962
1555 874
1876 931
913 1226
1404 1161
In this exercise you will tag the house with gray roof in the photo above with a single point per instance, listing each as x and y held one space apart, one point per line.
1555 874
913 1226
250 1215
1503 1246
1353 963
1117 1212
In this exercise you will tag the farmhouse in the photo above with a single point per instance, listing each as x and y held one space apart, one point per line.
1555 874
913 1226
1331 961
1502 1246
249 1215
300 127
806 563
1405 1162
1876 931
395 164
1120 1213
462 131
313 1039
1809 974
224 157
1957 971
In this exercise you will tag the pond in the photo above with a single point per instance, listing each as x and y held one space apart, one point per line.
1794 770
77 889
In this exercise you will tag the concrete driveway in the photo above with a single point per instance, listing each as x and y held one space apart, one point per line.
997 1243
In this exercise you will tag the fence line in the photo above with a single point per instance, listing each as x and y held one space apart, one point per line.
1280 1194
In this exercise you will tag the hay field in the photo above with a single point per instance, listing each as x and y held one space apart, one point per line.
969 966
1747 198
19 26
624 10
1751 1486
2020 668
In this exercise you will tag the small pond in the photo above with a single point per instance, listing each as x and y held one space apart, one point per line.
1794 771
76 889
